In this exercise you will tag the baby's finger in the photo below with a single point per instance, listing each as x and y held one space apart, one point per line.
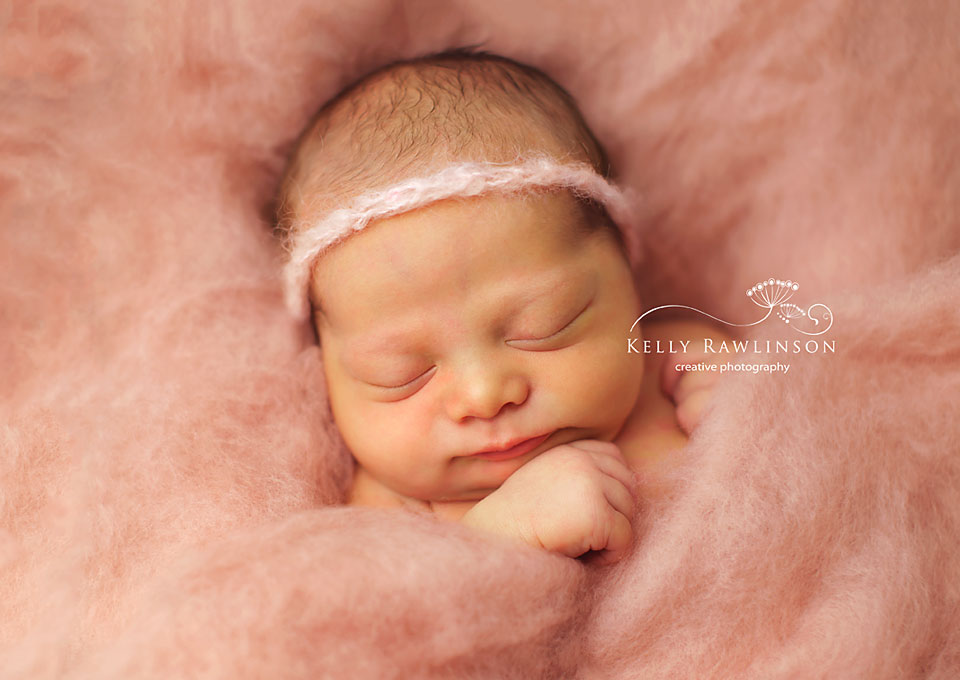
597 446
618 541
616 468
671 372
694 382
690 410
619 496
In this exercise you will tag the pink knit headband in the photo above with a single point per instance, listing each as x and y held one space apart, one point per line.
461 179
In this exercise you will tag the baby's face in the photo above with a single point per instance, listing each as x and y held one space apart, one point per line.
467 326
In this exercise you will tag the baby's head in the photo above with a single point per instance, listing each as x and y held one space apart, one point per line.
468 288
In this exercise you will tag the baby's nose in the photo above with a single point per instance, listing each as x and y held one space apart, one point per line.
483 393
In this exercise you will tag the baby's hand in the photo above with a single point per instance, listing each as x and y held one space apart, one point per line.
571 499
689 390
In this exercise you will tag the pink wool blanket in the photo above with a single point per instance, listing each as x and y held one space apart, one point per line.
170 477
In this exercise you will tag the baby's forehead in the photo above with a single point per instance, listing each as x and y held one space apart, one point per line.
446 241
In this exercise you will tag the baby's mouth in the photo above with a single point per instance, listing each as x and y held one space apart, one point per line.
515 450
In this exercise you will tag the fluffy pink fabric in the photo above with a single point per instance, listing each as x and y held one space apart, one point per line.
169 470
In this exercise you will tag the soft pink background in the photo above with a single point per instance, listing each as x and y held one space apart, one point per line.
167 461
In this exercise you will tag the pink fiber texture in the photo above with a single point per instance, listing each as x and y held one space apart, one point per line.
170 477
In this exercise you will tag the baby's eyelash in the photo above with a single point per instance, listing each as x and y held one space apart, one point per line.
566 325
406 384
558 332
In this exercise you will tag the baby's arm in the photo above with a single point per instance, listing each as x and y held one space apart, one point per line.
573 499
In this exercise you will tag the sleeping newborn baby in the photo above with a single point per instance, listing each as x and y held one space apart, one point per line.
452 232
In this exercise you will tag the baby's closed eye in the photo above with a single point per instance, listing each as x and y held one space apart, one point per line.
401 383
538 339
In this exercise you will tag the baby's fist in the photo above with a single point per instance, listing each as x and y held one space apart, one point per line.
571 499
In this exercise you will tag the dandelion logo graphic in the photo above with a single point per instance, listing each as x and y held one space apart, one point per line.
772 295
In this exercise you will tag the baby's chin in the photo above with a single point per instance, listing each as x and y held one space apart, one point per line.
468 485
472 496
473 488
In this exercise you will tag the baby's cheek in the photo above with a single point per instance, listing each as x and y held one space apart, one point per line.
604 378
374 423
394 444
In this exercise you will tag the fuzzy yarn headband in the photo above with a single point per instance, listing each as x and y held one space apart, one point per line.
457 180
